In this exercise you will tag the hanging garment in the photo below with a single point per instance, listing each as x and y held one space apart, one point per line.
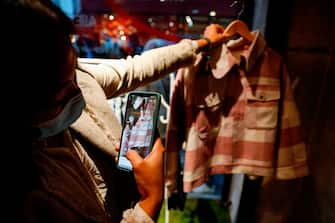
237 114
139 138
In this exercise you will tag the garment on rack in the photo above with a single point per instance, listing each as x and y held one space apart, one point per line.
237 114
139 138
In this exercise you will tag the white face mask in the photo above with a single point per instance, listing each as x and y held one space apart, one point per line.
64 119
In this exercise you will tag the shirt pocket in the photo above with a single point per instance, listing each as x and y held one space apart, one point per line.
261 111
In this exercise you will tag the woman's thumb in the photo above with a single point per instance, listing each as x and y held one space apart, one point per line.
134 158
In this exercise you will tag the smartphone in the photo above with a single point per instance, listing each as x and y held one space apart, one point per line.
139 126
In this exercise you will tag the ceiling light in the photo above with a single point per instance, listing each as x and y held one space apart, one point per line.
123 37
189 21
212 13
110 17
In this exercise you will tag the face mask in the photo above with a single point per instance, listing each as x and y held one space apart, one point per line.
64 119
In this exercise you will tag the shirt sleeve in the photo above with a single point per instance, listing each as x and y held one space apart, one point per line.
136 215
118 76
175 132
292 155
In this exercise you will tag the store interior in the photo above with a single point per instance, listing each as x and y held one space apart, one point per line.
301 31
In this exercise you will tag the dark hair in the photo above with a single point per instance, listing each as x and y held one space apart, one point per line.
34 44
37 35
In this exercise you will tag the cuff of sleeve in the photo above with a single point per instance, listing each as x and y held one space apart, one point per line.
193 43
140 215
136 214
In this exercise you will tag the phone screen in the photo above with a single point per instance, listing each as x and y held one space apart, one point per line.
139 126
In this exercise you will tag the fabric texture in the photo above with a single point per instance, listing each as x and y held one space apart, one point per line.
59 167
236 114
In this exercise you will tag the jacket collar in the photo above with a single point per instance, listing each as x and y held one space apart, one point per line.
236 52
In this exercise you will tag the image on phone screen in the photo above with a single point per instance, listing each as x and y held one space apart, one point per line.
139 125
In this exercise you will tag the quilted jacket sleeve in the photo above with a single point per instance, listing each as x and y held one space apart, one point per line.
118 76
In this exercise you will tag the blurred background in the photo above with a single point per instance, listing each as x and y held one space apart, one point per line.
115 29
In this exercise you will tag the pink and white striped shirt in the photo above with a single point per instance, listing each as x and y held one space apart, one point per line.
236 114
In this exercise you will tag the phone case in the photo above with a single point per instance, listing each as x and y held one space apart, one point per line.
139 125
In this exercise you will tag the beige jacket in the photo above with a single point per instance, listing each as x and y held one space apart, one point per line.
102 79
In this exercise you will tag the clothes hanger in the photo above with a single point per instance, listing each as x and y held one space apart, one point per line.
238 27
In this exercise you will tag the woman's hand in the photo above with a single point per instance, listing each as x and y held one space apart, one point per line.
214 33
149 177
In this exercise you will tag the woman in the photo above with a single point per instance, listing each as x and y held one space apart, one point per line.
67 118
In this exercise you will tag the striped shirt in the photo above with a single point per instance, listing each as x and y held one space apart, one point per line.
140 135
236 114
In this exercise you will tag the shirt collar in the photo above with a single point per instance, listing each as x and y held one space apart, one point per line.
222 59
